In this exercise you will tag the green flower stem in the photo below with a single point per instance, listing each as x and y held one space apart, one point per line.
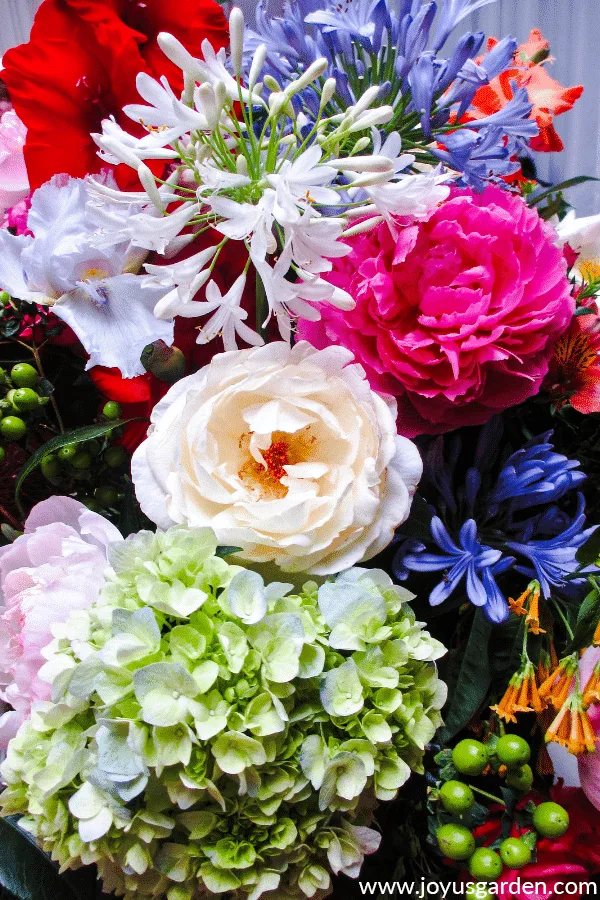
489 796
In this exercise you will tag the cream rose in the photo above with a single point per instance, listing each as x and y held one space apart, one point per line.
285 452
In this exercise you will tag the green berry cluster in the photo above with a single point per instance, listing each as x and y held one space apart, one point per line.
455 839
21 402
93 469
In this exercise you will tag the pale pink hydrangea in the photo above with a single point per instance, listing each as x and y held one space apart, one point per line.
56 567
456 316
14 183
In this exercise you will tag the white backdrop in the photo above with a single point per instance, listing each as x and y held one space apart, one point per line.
571 26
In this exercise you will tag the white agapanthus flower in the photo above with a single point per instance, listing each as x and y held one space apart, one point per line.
91 287
245 166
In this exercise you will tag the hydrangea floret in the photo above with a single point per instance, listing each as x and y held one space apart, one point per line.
209 733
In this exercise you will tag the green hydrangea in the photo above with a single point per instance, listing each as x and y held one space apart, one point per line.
209 733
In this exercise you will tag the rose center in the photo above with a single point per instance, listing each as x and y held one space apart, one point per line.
284 450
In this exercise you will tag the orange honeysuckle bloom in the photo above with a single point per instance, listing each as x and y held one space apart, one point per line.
521 695
574 373
544 667
556 688
549 98
572 727
532 611
591 692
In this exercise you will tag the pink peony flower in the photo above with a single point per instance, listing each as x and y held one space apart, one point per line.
14 184
457 316
53 569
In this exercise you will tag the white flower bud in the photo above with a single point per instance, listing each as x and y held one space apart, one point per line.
362 164
312 73
176 52
236 39
329 89
361 144
258 62
372 117
362 227
369 96
371 178
149 184
270 83
206 97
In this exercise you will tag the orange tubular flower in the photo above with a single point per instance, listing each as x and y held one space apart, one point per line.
531 594
591 692
556 688
572 727
521 695
544 667
596 640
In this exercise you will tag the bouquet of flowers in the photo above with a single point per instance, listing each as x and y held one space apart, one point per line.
299 445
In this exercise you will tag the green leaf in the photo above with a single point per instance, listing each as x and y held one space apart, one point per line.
473 680
77 436
27 873
570 182
226 551
418 524
587 620
589 551
131 518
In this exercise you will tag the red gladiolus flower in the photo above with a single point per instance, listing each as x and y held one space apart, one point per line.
549 98
80 66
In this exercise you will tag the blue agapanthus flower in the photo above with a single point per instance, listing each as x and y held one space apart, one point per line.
398 45
467 559
495 519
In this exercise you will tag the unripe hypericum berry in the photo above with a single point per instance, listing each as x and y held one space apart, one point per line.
81 460
520 779
106 495
4 298
550 820
12 428
115 457
24 375
513 751
91 504
455 841
470 757
111 410
25 399
66 453
50 467
456 797
514 853
485 864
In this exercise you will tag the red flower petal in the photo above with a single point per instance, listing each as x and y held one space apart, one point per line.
80 66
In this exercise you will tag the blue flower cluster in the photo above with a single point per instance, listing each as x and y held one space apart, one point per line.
397 44
511 521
